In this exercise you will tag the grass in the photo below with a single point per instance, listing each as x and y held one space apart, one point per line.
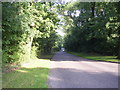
31 75
96 57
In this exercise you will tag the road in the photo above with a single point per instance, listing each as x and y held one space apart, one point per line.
69 71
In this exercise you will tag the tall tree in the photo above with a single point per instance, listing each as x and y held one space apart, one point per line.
94 29
22 23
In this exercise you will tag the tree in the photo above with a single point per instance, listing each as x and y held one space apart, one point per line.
94 29
23 23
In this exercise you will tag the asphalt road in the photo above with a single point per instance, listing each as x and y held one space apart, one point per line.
69 71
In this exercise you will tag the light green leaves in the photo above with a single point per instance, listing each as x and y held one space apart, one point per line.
24 24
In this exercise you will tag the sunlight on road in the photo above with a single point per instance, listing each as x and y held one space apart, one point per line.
93 67
69 71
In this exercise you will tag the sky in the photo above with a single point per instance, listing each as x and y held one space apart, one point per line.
60 31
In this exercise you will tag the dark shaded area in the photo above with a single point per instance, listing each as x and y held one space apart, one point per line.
63 56
49 56
90 31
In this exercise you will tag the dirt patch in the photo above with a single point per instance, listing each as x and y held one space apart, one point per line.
10 68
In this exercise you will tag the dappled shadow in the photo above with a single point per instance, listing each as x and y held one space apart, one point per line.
76 78
26 78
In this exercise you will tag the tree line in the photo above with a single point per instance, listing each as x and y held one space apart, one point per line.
92 27
28 28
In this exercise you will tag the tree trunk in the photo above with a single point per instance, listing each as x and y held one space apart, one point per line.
93 9
29 46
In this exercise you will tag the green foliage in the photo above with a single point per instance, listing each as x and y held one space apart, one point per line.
95 29
16 33
33 53
27 25
93 56
58 43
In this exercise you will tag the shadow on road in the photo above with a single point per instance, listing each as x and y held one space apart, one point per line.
63 56
70 71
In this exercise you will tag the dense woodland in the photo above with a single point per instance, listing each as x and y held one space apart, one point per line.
93 27
29 28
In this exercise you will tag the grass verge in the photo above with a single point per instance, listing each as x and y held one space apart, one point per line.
96 57
31 75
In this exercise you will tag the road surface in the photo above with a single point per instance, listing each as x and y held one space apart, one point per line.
69 71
